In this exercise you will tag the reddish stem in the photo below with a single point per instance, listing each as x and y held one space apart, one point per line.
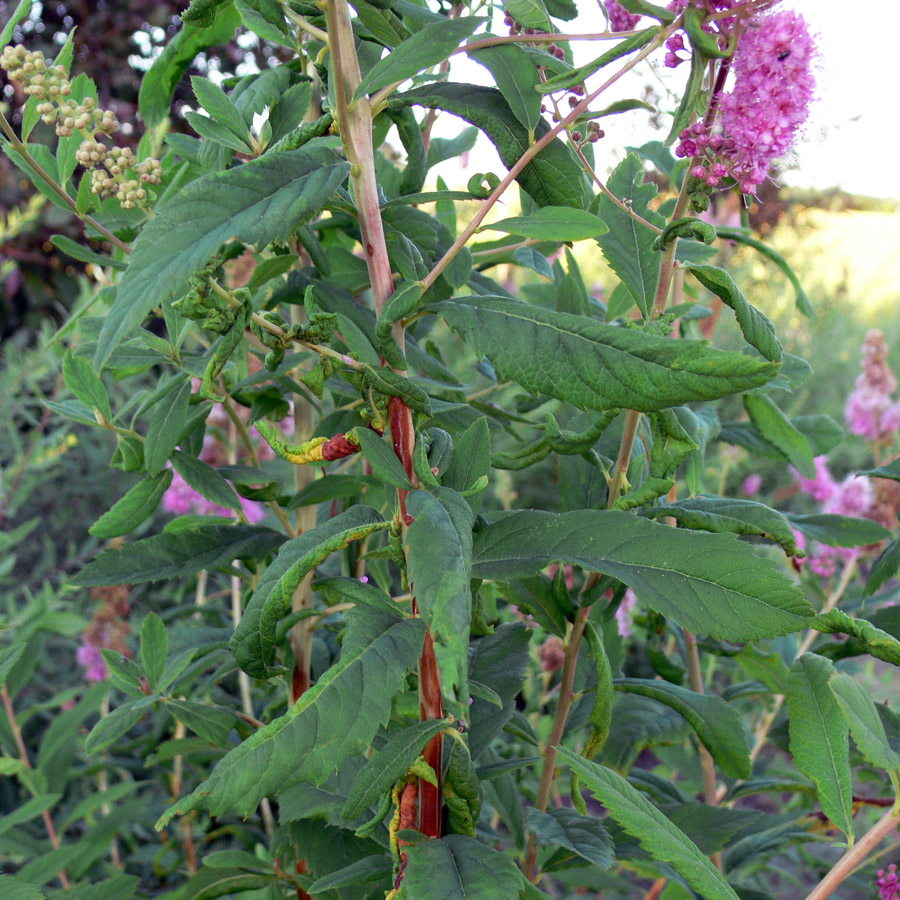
431 706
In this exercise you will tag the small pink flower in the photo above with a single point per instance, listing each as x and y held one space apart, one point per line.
91 659
552 654
625 613
823 486
854 496
888 883
620 19
751 484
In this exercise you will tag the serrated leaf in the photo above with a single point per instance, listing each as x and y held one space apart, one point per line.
84 254
18 14
212 723
460 868
820 738
776 428
174 555
758 331
212 130
28 810
113 725
390 763
385 463
85 384
13 888
119 887
257 202
709 583
594 365
253 643
210 883
440 565
204 479
553 223
727 515
553 178
154 647
220 107
517 78
839 531
9 656
426 48
134 508
627 245
166 426
332 721
655 833
585 836
363 871
529 14
717 725
865 723
884 568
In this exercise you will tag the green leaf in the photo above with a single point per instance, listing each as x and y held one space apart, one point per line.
174 555
553 223
553 178
210 883
154 647
119 887
385 463
819 738
84 254
470 461
204 479
517 78
655 833
587 837
709 583
212 723
426 48
335 719
390 763
529 14
593 365
727 515
253 643
211 129
758 331
865 723
9 656
440 563
257 202
85 384
28 810
158 85
368 869
717 725
134 508
166 426
875 642
13 888
891 470
566 80
112 726
884 568
776 428
460 868
822 433
19 13
338 590
643 8
217 103
627 245
840 531
332 487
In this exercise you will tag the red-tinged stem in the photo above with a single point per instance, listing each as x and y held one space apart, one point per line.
431 706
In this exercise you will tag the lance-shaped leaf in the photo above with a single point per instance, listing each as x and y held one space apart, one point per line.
840 531
517 78
776 428
655 833
710 583
758 331
553 178
865 723
257 202
456 867
593 365
332 721
628 245
174 555
132 509
553 223
884 568
440 567
717 725
391 762
728 515
820 737
253 642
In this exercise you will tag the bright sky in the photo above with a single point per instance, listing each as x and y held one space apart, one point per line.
852 135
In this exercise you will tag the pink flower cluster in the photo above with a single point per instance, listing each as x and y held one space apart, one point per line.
854 496
89 656
759 120
620 19
869 410
888 883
